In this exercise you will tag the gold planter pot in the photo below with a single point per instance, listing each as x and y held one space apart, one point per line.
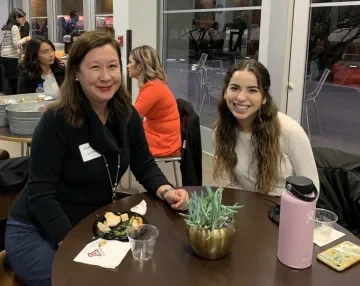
213 248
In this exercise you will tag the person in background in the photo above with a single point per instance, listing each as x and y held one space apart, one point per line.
25 29
71 24
45 29
82 146
40 66
155 102
257 147
11 49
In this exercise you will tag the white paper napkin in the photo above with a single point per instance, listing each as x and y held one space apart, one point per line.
140 208
335 234
108 255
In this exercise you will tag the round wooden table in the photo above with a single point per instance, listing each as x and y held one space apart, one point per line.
6 135
252 261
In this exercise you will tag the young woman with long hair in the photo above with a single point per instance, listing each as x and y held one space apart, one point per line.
40 66
257 147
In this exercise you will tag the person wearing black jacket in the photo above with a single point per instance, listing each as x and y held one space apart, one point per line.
81 148
339 174
40 66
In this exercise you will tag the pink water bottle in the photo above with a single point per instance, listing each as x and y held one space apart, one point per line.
297 215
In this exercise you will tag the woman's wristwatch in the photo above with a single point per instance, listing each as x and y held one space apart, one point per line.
164 192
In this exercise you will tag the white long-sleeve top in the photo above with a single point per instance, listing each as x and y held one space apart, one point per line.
11 43
298 158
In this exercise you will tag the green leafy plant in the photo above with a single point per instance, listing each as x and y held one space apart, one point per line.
207 211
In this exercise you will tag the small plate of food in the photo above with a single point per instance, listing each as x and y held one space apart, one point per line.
113 225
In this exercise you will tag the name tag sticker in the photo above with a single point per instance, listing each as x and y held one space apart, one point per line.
88 153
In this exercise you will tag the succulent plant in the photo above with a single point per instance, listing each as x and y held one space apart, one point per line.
208 212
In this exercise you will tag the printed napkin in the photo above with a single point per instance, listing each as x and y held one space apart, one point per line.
103 253
335 234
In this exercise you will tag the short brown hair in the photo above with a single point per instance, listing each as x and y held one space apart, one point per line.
70 100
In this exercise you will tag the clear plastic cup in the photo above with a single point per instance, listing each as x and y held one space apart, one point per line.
142 241
324 224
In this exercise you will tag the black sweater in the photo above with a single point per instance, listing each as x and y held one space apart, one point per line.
63 189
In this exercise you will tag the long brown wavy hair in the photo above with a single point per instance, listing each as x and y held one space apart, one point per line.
265 133
71 100
150 65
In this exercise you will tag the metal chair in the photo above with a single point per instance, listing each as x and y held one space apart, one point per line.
312 97
212 84
197 70
173 159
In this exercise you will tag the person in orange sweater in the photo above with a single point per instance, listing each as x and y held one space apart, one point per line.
155 102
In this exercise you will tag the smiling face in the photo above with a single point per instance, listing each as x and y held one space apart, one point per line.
46 55
99 74
244 98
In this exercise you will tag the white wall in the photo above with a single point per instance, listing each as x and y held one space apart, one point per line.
4 11
141 17
279 47
143 23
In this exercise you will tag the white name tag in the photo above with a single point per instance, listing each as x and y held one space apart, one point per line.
88 153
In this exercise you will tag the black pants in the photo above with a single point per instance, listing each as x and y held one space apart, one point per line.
9 75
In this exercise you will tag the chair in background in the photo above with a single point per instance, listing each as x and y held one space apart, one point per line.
190 158
311 97
211 87
195 70
173 160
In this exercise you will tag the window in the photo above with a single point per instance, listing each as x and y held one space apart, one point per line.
200 46
104 16
38 18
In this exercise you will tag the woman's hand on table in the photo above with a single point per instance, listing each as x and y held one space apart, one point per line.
177 198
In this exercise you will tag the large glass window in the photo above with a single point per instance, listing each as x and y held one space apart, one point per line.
104 16
200 46
38 18
65 23
332 84
209 4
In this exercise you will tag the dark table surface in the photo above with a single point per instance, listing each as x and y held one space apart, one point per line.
252 261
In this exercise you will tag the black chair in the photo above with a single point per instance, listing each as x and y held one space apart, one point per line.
339 174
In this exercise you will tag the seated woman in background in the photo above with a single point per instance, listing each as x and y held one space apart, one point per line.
257 147
40 66
155 102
